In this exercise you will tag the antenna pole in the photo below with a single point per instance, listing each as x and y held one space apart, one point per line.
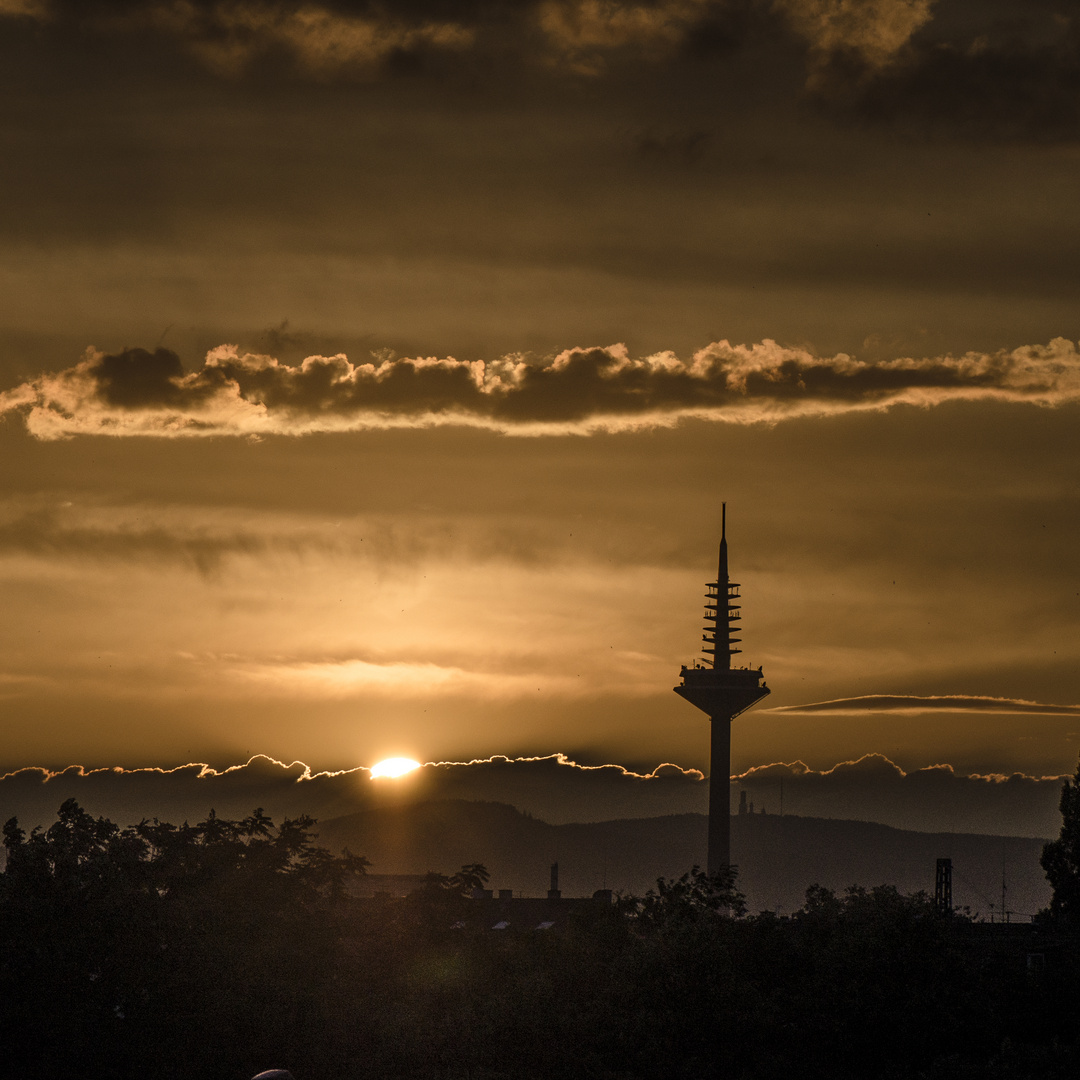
1004 913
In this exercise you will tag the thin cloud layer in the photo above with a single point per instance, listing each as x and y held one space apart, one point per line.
348 678
554 788
579 391
913 703
49 531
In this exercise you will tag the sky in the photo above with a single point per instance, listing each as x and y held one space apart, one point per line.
372 374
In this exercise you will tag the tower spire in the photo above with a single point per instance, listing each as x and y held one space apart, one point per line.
724 540
722 693
722 573
722 608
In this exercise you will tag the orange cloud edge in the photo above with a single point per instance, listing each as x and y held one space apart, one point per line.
871 761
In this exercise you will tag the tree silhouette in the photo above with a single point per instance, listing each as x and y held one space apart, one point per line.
214 950
117 943
694 897
1061 857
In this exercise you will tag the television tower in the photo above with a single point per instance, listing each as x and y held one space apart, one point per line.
722 692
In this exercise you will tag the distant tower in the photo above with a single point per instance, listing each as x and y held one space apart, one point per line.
722 692
943 887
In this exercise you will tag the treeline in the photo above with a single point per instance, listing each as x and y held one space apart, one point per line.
216 950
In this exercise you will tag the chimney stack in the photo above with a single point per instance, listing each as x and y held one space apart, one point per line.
553 892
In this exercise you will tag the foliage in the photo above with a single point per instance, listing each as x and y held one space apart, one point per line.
1061 857
110 936
215 950
692 898
469 878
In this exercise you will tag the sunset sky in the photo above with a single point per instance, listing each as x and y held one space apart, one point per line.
371 376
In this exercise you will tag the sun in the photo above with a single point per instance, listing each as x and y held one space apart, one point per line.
394 766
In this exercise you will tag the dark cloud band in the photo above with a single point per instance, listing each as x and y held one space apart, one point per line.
580 390
553 788
978 69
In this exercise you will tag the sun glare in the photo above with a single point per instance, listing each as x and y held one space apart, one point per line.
394 766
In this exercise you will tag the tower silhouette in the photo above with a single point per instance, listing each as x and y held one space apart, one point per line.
722 692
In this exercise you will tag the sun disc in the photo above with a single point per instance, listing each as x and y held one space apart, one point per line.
394 766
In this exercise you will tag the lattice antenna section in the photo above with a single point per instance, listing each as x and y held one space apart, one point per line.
723 609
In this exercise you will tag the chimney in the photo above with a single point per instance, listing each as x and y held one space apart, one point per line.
553 892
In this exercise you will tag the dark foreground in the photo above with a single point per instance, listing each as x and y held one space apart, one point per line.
225 948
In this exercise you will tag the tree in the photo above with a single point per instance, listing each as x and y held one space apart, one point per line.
117 943
1061 857
693 898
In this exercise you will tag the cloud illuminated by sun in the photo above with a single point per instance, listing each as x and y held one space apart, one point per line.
393 767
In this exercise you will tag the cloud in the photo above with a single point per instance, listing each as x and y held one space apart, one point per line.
581 32
26 9
935 799
581 390
980 70
335 36
323 38
912 703
338 38
874 31
976 72
554 788
323 41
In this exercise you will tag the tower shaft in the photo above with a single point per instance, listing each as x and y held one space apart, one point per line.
719 796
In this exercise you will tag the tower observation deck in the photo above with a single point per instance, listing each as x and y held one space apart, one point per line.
722 692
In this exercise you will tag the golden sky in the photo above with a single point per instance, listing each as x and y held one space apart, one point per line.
371 376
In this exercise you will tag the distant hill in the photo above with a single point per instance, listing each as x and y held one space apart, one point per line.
778 857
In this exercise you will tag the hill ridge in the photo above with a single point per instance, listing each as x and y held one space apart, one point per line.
778 857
